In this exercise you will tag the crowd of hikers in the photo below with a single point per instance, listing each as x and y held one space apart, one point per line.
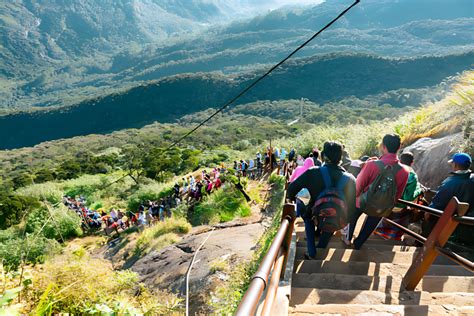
330 189
340 190
191 189
148 213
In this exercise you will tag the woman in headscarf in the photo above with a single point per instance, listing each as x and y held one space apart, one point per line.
308 163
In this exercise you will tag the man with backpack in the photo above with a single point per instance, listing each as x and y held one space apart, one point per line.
460 184
332 202
412 191
378 187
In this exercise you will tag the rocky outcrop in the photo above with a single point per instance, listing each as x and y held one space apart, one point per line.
431 158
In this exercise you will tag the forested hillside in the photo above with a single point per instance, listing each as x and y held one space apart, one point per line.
60 54
320 79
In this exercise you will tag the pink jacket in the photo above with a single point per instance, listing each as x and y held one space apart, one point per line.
308 163
370 172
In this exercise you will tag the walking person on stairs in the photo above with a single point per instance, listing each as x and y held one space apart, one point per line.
378 187
332 201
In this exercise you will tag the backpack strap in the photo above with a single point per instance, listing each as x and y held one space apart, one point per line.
342 183
326 178
395 167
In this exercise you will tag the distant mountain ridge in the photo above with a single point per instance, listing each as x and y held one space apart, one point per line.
57 52
320 79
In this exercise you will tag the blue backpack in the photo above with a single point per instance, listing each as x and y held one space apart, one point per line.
330 209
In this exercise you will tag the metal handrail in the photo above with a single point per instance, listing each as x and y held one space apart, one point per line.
467 264
466 220
276 258
423 208
258 284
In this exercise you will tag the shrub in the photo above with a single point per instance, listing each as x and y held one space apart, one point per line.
162 234
73 289
31 249
64 223
13 207
150 192
221 206
49 192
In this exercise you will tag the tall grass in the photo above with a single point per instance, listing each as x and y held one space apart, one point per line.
454 113
83 285
228 296
222 205
161 235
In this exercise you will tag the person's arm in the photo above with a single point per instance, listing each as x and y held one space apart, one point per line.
401 180
442 197
301 182
350 195
364 179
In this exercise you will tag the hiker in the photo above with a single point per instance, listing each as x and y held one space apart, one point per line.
460 184
176 189
300 160
291 155
412 190
330 188
315 156
308 163
282 158
259 168
346 159
356 165
251 169
387 173
185 186
192 182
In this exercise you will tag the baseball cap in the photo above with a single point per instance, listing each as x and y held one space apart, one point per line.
461 159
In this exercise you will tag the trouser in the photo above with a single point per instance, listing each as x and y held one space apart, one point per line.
310 231
370 224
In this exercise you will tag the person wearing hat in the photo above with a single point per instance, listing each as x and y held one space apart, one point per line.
460 184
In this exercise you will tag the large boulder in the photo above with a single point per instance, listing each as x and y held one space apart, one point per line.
431 158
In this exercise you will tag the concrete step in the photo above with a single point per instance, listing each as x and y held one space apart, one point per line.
374 239
372 268
325 296
386 284
398 310
387 246
368 255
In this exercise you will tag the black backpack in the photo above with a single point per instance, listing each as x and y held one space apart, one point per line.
379 199
330 208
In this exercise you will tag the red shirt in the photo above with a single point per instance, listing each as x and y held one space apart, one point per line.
370 172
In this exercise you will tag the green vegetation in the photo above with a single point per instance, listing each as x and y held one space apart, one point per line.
161 235
455 113
222 205
68 284
228 296
145 104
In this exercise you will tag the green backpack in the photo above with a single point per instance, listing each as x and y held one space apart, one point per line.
379 199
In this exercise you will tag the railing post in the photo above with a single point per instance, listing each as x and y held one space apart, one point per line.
289 212
440 234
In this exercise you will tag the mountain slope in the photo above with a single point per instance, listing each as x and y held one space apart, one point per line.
120 51
320 79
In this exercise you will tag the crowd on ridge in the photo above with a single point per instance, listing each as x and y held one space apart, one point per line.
148 213
340 190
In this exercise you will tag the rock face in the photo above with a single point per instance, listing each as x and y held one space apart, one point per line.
166 269
431 158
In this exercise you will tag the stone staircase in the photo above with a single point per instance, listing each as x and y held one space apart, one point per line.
343 281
